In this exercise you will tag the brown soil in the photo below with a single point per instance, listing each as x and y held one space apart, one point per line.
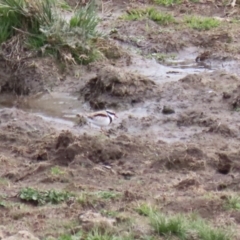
175 144
113 88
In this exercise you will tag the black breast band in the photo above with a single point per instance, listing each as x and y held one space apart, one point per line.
110 118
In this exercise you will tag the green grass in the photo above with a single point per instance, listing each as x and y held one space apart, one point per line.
95 234
182 226
150 13
167 3
107 194
56 171
3 204
201 23
32 195
109 213
206 232
47 31
91 198
64 5
76 236
167 226
233 202
145 209
4 181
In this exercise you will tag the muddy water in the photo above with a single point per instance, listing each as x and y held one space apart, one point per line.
60 109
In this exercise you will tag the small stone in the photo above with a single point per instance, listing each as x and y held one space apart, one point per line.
167 110
226 95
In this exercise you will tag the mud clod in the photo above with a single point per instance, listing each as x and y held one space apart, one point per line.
64 139
27 76
187 183
222 129
65 155
226 95
167 110
105 153
194 117
113 84
181 158
42 155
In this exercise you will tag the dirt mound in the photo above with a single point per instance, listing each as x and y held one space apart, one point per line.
181 157
192 117
206 208
17 125
151 41
27 76
187 183
113 87
213 39
232 98
215 81
228 161
30 137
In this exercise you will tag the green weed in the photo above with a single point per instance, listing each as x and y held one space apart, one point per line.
109 213
206 232
64 5
148 238
46 30
107 194
91 198
56 171
167 3
145 209
97 235
233 202
86 199
43 197
167 226
4 181
3 204
92 235
183 225
150 13
76 236
201 23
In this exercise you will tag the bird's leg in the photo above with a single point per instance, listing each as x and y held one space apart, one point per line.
103 131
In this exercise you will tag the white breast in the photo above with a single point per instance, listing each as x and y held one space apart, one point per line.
99 121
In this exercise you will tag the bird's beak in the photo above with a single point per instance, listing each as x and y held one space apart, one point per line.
116 116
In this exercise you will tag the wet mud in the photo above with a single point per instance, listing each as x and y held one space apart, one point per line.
176 139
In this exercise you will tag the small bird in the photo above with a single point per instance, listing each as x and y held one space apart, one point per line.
101 118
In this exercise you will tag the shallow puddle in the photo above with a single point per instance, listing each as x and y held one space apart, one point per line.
61 108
